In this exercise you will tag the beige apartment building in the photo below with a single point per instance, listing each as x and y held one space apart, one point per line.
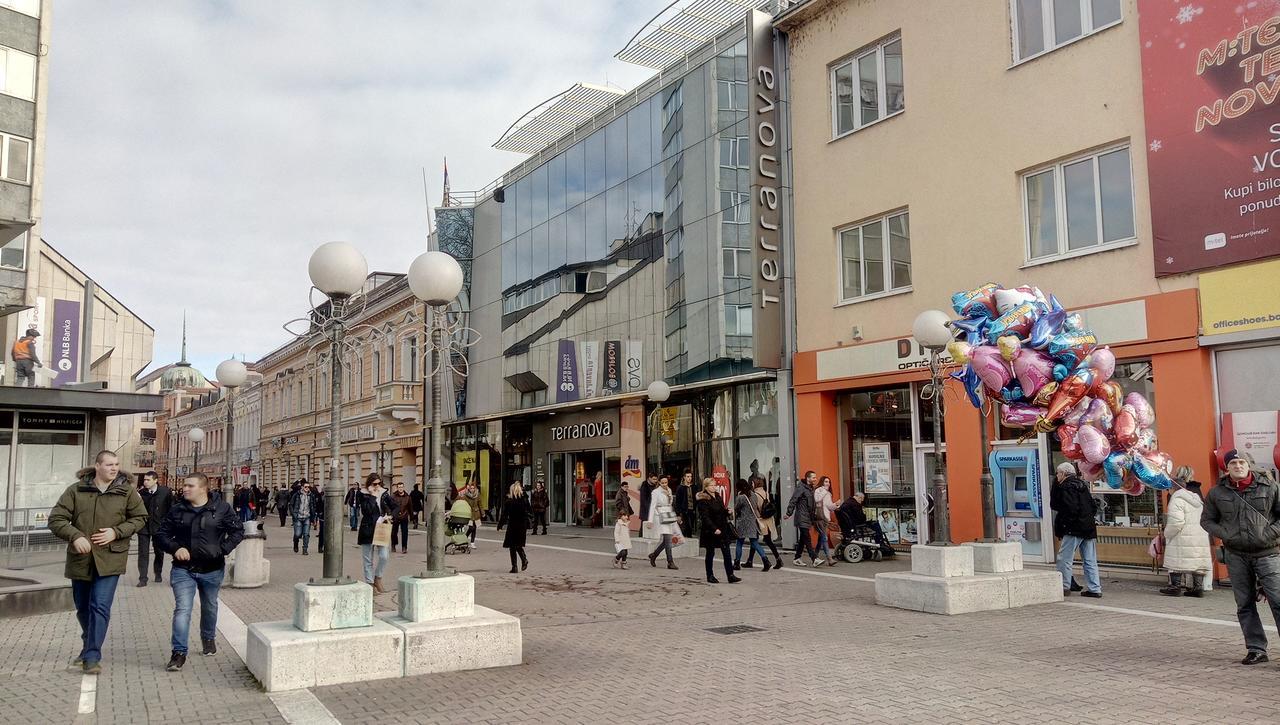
382 394
940 145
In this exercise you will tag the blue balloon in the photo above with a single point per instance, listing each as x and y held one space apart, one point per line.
976 324
1013 394
1046 327
1149 474
972 384
1071 348
1061 372
1115 465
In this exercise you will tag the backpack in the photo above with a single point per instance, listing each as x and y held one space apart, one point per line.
766 509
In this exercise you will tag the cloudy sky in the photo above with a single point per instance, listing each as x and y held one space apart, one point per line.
199 150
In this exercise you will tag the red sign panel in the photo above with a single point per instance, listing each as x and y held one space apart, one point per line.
1210 79
244 470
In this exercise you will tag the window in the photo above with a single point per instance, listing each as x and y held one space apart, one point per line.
737 319
1042 25
731 95
26 7
16 162
1079 205
13 255
734 152
18 72
875 257
878 70
377 368
737 262
410 363
734 206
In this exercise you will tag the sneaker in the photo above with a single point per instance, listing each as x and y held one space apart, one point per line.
624 565
1254 658
210 647
819 562
617 564
1171 591
77 664
142 583
176 662
1091 595
1076 587
95 668
797 562
734 579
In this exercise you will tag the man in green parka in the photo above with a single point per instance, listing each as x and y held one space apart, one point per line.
96 516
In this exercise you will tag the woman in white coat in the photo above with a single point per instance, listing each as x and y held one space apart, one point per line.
663 522
1186 549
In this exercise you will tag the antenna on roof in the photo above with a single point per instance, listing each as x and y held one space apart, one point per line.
184 337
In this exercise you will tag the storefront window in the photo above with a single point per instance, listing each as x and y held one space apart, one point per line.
758 409
722 414
926 417
882 458
671 440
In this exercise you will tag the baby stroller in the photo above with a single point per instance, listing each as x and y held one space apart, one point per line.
860 541
455 527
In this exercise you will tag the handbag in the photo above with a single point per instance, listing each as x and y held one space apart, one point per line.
382 533
1156 548
665 514
766 510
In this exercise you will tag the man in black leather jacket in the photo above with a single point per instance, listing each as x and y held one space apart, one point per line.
199 533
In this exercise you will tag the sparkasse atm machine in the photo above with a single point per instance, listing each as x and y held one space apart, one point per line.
1021 511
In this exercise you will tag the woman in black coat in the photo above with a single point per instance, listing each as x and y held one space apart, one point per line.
375 504
716 531
515 514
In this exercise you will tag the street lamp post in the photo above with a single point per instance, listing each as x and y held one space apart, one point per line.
932 331
436 278
382 450
195 435
659 392
231 374
339 271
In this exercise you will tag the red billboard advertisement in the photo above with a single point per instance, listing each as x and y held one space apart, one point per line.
1210 80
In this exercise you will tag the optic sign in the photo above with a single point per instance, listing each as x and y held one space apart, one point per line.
1210 84
765 212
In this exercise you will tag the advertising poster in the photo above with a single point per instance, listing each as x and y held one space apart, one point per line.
566 373
888 519
468 467
590 368
64 357
612 379
1210 81
633 365
908 532
631 440
1015 530
878 468
1253 434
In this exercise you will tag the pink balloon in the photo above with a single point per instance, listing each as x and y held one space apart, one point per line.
1098 415
1033 369
1090 471
991 369
1093 444
1147 442
1020 415
1142 411
1103 362
1075 415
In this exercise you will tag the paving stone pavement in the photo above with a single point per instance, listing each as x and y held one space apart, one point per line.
602 644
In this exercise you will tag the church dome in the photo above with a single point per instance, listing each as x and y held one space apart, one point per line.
182 375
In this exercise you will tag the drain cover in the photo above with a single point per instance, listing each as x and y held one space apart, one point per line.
735 629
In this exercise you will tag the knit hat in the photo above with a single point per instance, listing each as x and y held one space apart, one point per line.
1230 456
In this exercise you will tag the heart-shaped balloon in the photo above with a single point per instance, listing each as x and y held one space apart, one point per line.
1067 440
1009 346
1093 444
959 351
1098 415
1141 409
1125 427
1033 369
1077 411
991 369
1103 362
1115 466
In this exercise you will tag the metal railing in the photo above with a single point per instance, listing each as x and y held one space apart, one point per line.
25 539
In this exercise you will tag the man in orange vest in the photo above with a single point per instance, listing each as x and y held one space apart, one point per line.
25 358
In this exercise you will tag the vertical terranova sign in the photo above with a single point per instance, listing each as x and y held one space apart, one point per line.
1210 84
766 145
64 342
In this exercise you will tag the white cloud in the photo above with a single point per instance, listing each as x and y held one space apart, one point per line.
198 151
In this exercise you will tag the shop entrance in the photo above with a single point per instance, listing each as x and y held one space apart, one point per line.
583 483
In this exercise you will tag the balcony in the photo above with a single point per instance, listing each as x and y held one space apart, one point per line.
398 400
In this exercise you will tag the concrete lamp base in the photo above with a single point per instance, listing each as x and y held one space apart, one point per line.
444 630
283 657
967 578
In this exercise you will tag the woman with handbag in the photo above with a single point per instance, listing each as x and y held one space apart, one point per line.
515 514
1186 550
666 524
748 526
765 511
823 507
716 531
471 494
375 525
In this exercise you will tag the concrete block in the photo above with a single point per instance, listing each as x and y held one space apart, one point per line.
942 595
423 600
283 657
250 568
1033 587
941 561
483 640
996 558
317 608
640 549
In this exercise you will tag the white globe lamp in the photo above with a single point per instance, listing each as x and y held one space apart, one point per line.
435 278
338 269
932 329
231 373
196 435
659 391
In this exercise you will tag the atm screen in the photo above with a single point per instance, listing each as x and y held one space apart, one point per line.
1021 501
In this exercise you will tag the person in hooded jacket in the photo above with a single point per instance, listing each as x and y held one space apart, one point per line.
1186 544
715 530
1077 526
199 533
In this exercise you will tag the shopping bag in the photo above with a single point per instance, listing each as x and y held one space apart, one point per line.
382 533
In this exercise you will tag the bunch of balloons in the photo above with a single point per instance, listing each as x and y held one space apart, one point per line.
1047 373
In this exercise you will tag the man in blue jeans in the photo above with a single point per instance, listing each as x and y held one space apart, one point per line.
199 533
303 508
1076 525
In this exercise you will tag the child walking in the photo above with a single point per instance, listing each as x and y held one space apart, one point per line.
621 540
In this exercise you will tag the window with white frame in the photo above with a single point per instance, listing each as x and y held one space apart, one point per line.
15 158
734 152
733 205
875 257
26 7
13 254
409 358
737 319
18 73
737 262
876 72
731 95
377 367
1040 26
389 356
1078 205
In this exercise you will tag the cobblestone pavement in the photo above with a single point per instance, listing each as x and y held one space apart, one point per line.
603 644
